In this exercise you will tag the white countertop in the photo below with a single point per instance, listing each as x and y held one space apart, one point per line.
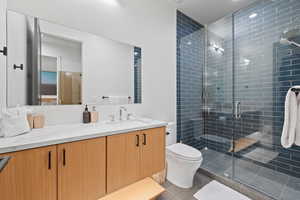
59 134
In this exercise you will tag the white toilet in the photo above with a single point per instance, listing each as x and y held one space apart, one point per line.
183 162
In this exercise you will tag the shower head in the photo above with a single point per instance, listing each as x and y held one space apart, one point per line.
285 41
289 37
291 33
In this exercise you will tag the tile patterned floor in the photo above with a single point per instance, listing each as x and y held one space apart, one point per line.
176 193
273 183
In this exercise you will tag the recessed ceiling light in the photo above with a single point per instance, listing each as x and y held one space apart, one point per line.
111 2
253 15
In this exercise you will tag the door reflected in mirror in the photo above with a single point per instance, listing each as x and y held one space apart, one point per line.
61 69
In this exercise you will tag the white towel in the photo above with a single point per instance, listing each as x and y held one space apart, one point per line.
297 134
14 122
291 113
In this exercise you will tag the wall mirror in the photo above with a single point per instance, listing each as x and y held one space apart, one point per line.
50 64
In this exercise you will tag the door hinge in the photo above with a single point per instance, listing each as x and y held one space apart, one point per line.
4 51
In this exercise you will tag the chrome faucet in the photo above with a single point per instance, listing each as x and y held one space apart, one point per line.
122 108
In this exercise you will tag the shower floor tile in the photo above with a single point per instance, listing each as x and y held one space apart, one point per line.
273 183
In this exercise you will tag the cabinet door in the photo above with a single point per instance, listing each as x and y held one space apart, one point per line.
95 168
152 151
123 160
81 170
30 175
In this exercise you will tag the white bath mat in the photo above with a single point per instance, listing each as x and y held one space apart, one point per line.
217 191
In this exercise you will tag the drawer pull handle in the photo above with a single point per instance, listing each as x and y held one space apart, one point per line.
145 139
49 160
137 140
64 157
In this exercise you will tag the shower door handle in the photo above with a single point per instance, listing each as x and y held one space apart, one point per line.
237 110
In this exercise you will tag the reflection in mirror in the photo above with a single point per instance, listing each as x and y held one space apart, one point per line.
50 64
60 71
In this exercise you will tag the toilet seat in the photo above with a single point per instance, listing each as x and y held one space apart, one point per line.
184 152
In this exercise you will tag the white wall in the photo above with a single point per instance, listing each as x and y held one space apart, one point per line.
17 40
2 58
150 24
68 52
108 69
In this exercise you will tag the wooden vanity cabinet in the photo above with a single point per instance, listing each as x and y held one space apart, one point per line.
74 171
86 169
152 151
123 160
82 170
30 175
134 156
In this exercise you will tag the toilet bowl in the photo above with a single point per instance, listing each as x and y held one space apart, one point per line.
183 162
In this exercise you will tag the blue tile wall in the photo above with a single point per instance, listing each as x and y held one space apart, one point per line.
137 75
262 85
219 123
263 71
190 65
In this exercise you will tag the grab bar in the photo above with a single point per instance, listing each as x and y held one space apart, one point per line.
3 162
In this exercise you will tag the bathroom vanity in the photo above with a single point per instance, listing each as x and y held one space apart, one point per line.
49 64
80 161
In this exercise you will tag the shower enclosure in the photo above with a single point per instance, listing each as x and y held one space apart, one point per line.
248 61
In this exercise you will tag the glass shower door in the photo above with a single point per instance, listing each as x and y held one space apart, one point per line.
218 107
264 69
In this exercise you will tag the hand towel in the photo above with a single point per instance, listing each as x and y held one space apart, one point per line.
14 122
290 120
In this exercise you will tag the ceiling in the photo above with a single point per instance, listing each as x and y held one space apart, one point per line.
208 11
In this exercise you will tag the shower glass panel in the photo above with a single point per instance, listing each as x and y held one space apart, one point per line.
232 79
252 59
265 67
218 109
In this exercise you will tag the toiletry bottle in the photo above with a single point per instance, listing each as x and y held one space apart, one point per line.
38 121
94 115
86 115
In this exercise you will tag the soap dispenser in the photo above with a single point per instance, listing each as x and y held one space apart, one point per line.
86 115
94 115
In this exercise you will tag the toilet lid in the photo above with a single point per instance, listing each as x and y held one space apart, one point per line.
184 151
